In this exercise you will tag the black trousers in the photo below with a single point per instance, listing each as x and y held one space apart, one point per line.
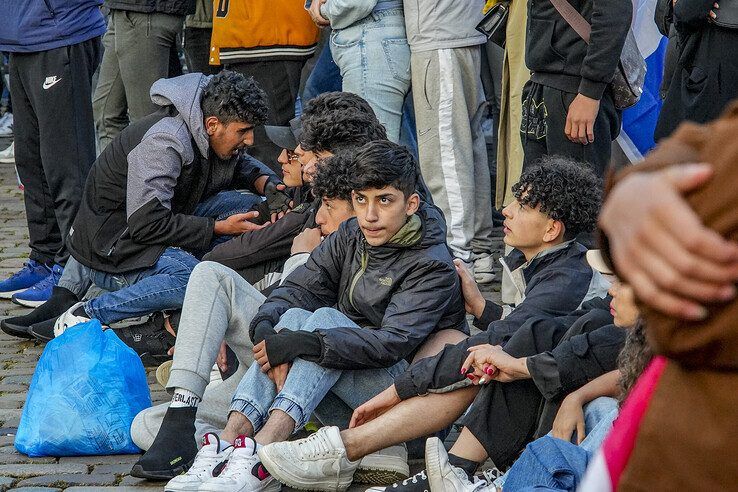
54 138
544 122
197 50
280 79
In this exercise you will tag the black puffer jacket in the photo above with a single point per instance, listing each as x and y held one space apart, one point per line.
175 7
399 293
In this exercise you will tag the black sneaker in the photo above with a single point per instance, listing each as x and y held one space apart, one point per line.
19 326
416 483
43 331
150 340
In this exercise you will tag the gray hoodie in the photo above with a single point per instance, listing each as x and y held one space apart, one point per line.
442 24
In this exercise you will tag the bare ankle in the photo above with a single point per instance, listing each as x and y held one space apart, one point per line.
353 452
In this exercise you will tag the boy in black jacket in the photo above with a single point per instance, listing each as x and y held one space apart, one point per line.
367 298
568 106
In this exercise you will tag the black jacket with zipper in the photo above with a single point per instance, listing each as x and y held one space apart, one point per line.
558 57
174 7
397 293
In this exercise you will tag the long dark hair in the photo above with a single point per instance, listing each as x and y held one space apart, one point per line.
634 358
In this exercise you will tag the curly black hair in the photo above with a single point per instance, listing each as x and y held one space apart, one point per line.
231 96
330 101
332 177
340 130
565 189
384 163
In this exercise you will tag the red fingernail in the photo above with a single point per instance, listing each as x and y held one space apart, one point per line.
463 371
489 371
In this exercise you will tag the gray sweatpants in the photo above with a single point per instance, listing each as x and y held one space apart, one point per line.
219 305
451 146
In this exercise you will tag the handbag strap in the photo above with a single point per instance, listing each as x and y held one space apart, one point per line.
573 18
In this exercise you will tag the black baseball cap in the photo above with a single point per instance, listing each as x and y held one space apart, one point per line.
285 137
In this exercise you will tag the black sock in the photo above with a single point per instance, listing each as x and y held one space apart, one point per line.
80 311
469 466
173 449
61 299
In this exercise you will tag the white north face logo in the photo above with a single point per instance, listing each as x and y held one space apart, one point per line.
50 81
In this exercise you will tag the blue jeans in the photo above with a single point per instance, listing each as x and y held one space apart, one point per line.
552 464
374 59
221 206
325 77
308 383
135 293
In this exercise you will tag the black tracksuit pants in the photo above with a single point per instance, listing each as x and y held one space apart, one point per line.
54 138
544 122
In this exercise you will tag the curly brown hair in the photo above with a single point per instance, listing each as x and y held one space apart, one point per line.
634 358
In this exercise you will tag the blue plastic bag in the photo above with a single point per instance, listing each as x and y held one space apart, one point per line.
87 388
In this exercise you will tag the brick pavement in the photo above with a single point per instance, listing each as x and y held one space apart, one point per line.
17 363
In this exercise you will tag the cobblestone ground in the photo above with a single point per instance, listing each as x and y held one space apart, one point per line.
17 363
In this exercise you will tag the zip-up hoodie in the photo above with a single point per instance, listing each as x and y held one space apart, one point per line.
143 188
443 24
399 293
557 57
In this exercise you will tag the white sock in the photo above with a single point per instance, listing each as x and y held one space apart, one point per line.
183 398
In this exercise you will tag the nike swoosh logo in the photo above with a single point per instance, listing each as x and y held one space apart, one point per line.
50 83
423 132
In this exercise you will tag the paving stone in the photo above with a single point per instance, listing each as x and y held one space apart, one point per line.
13 458
65 480
35 489
114 459
6 482
125 488
28 470
140 482
119 469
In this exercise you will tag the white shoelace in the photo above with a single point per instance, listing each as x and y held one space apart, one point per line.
414 479
204 464
239 463
316 445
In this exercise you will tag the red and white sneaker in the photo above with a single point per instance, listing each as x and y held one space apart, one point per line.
243 472
209 461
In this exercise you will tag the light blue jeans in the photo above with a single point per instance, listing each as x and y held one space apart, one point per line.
308 383
552 464
374 59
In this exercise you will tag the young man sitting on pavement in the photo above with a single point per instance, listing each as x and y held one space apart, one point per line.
138 217
391 279
555 203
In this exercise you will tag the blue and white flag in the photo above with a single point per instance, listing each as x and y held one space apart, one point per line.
639 122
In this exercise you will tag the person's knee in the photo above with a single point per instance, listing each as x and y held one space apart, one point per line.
146 424
294 318
435 343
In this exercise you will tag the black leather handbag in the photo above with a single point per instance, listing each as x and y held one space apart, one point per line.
494 23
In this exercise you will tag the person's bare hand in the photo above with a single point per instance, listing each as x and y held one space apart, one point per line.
315 14
279 374
490 362
569 419
661 248
473 300
375 407
306 241
261 357
580 119
713 13
237 224
222 360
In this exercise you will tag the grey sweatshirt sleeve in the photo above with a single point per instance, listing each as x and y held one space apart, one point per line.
153 168
343 13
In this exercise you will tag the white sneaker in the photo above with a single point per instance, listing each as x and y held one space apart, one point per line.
442 475
208 462
67 320
243 472
317 462
7 156
6 125
386 466
484 269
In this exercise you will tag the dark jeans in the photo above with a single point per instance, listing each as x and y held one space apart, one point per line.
54 139
544 122
280 80
197 50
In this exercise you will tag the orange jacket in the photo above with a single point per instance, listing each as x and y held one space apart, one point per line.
254 30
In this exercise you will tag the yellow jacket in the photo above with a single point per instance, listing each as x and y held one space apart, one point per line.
254 30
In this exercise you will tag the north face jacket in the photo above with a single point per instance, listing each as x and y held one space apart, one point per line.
142 190
399 293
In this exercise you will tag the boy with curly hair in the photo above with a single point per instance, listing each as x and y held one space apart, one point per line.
554 203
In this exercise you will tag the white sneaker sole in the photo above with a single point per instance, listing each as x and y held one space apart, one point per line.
7 160
274 486
32 304
432 460
8 294
290 480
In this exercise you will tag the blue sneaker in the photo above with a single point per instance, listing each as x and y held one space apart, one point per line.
40 292
32 273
